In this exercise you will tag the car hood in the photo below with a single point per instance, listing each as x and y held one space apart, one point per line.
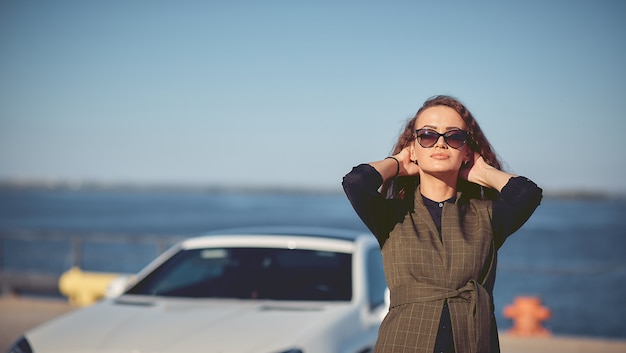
142 325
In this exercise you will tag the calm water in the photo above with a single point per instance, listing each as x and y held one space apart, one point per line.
571 254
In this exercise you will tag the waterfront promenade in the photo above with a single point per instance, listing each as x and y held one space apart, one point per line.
18 314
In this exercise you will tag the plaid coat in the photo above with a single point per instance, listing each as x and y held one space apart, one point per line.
424 270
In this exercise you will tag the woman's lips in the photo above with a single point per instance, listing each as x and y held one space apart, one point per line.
439 156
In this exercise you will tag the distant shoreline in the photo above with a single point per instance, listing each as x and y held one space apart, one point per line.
253 189
172 187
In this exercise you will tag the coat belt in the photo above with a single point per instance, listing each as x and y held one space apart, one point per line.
474 294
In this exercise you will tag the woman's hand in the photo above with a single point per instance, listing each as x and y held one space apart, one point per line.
388 167
477 171
408 167
473 169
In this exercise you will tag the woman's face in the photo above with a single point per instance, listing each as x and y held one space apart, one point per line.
440 158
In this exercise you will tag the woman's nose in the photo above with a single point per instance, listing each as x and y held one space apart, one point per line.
441 142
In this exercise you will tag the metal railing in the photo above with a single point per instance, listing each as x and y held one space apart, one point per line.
32 262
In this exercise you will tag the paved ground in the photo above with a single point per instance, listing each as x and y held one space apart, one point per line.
18 314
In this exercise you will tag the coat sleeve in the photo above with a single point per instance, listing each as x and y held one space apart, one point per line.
517 202
361 187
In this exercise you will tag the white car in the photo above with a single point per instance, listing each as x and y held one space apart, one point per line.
276 290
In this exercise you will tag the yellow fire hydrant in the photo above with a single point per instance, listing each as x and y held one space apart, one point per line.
85 288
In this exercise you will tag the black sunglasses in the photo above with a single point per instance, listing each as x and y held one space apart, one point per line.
427 138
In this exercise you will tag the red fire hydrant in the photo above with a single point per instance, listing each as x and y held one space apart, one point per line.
527 315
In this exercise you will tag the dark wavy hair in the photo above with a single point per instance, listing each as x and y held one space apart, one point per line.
398 187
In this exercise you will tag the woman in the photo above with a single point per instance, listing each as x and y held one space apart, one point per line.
444 209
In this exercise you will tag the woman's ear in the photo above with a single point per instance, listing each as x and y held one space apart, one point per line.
468 156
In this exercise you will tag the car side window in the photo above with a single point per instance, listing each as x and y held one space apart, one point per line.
376 281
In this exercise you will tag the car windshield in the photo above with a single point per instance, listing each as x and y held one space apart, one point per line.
252 273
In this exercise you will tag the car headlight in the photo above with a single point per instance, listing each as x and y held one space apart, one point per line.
20 346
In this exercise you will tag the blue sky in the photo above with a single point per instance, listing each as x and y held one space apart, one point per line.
294 93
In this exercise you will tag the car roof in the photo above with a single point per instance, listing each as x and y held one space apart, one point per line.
307 231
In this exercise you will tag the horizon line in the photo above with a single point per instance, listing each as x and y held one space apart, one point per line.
14 184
